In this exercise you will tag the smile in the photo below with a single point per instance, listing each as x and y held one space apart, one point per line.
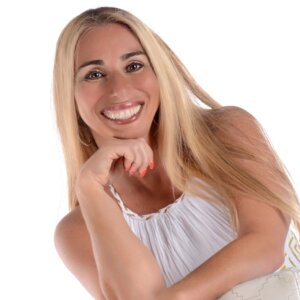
122 114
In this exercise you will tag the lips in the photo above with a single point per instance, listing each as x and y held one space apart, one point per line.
125 111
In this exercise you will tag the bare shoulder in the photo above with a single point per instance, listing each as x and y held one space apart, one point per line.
233 119
72 218
69 230
73 245
233 111
239 129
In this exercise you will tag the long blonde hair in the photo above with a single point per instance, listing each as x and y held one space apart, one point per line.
184 131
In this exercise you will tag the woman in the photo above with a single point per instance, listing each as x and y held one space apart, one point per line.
169 199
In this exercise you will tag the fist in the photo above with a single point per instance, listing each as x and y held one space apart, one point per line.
136 154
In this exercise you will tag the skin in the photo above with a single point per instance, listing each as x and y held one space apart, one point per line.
117 81
125 153
120 81
83 239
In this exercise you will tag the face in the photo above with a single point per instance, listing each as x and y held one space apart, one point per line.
116 90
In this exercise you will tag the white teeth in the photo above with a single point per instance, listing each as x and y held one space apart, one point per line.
123 114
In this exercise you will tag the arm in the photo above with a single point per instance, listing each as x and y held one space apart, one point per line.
257 251
128 269
72 242
256 246
259 248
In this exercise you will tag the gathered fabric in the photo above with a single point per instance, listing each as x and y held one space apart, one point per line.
187 232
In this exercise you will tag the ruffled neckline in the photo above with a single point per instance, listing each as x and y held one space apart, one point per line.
131 213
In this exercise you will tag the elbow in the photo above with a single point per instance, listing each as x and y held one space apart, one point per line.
274 258
277 260
276 254
268 252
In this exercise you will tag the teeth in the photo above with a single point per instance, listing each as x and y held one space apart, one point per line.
122 114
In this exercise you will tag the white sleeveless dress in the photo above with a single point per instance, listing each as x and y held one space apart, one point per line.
187 232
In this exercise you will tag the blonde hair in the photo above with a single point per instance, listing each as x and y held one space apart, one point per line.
185 133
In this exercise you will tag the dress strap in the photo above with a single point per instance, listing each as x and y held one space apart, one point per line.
118 198
130 213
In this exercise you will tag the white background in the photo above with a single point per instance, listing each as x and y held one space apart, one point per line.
244 53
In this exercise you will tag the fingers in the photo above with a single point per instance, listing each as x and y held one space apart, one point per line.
139 158
136 153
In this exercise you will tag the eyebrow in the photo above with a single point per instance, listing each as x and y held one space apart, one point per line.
100 62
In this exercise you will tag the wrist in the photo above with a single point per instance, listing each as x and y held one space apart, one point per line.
86 184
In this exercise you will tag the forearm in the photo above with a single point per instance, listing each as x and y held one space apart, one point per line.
124 264
245 258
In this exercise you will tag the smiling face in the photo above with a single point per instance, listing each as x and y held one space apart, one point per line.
116 90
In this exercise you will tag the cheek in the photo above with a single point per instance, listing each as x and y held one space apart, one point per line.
150 84
85 97
154 87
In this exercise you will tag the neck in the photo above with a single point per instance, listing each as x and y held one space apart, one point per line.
152 179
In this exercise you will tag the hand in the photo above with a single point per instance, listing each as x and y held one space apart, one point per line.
136 153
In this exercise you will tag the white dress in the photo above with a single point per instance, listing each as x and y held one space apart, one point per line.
187 232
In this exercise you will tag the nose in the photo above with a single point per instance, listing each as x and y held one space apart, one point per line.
119 84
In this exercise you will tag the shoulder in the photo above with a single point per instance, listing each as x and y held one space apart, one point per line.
73 245
235 118
71 237
69 227
247 144
232 111
251 150
237 127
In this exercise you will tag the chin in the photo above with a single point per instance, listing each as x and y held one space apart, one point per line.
133 135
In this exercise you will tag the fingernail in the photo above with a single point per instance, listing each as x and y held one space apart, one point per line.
132 172
143 173
151 165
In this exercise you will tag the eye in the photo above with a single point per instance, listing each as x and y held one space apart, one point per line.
134 67
94 75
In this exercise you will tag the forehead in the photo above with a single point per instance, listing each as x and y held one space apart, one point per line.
104 40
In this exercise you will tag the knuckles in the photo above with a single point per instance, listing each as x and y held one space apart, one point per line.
136 153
